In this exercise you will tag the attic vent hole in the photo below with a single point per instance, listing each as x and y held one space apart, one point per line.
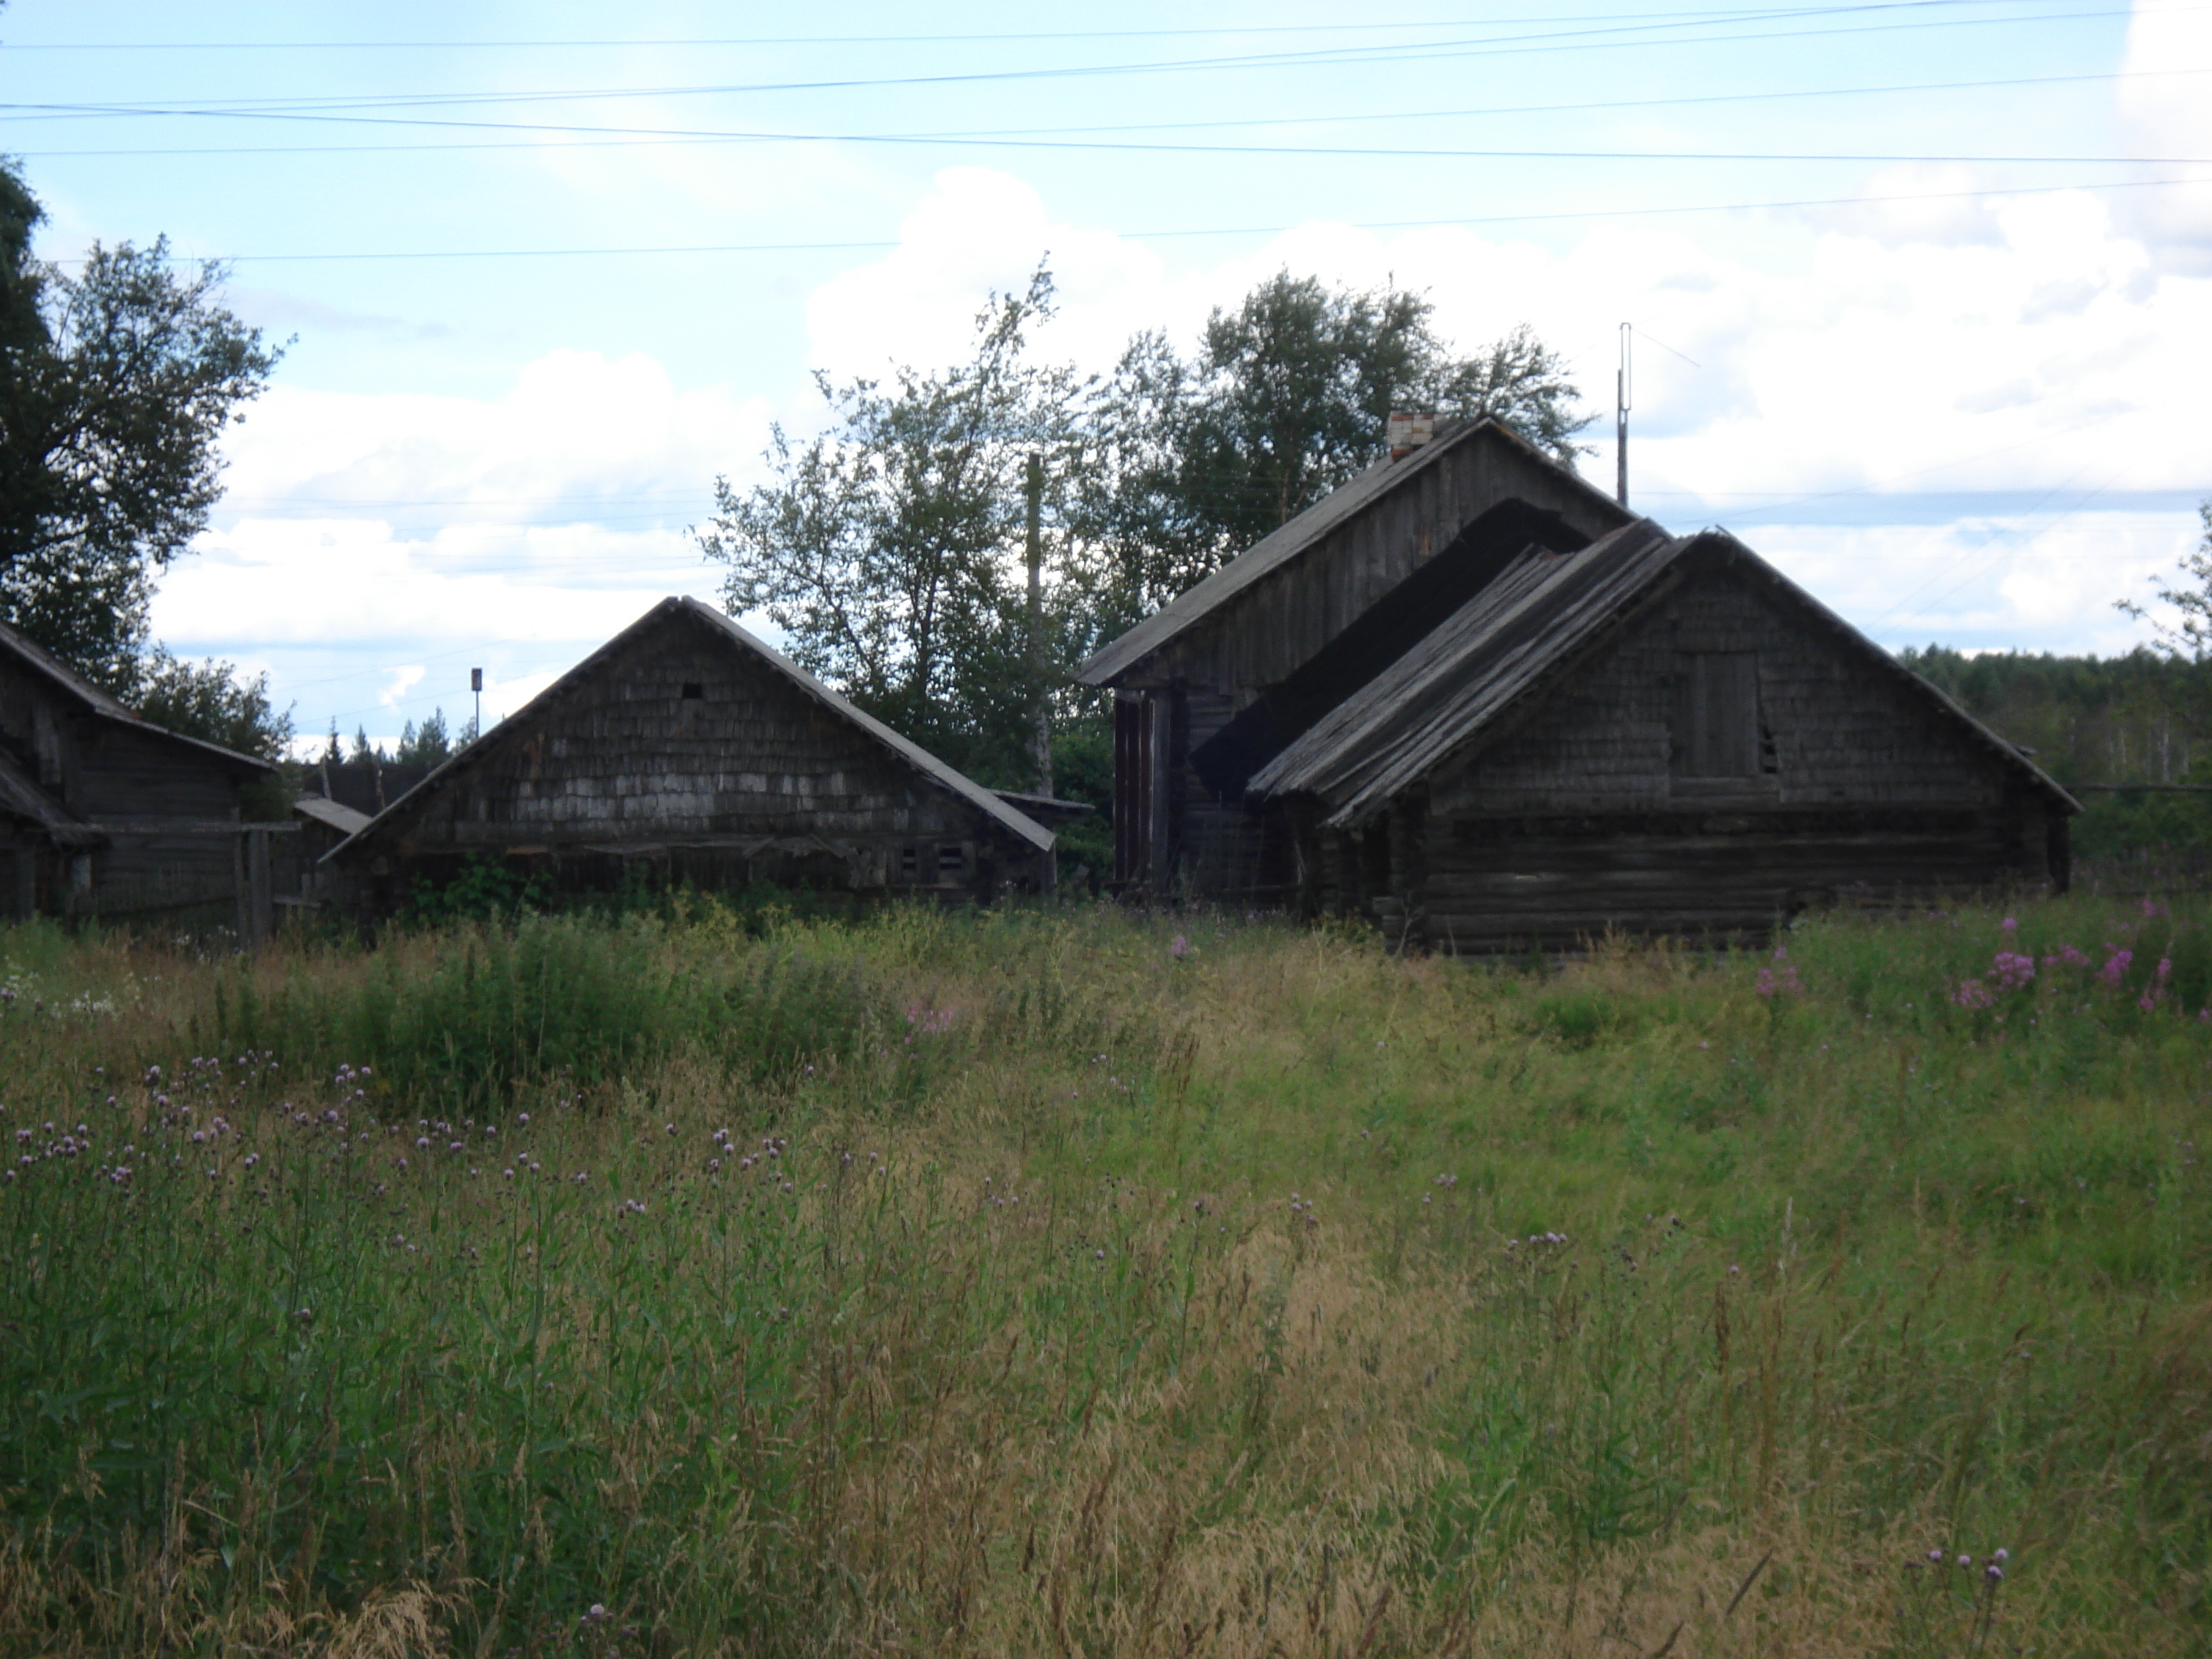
693 691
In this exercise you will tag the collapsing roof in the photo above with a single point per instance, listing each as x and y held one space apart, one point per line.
21 797
1513 641
333 815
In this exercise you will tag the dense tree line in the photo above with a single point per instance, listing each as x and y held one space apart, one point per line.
2135 718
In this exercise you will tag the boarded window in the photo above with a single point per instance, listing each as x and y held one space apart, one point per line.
1718 733
693 691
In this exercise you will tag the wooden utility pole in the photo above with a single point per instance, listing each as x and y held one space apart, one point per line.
1041 736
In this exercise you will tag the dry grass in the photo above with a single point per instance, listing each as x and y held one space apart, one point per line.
1039 1355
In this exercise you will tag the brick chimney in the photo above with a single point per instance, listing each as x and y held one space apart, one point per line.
1409 429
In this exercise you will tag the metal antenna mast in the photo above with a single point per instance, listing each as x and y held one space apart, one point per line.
1622 390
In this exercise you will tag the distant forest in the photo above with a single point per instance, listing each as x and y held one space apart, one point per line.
2144 718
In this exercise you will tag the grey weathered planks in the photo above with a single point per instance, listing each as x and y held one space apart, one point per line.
102 813
688 746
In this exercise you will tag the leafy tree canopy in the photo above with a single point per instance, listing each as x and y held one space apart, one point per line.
886 548
1197 457
2187 636
211 701
116 384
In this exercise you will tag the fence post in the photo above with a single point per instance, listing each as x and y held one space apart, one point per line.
261 919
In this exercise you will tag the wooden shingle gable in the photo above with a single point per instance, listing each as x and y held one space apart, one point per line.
537 750
1484 671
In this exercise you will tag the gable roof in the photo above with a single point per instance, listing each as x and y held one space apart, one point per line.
94 701
674 608
1284 544
1513 641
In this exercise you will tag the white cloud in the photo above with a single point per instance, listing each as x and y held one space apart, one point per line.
2166 105
544 514
2032 582
403 680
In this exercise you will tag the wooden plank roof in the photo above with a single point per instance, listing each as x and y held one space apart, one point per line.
335 815
1514 640
678 607
94 701
22 798
1285 545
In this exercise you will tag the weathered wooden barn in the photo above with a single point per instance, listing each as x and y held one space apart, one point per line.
1553 726
103 814
689 750
1210 686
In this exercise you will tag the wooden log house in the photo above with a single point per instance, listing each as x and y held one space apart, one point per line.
103 814
1562 720
686 750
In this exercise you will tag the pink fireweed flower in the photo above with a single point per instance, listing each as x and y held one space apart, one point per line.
1971 993
2009 925
2115 968
2012 969
1179 946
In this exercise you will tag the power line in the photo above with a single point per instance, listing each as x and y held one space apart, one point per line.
947 38
1430 51
1498 110
1394 152
880 243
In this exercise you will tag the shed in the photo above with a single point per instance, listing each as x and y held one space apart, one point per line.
105 814
1216 682
686 749
1655 733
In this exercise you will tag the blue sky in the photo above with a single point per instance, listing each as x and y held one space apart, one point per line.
1922 291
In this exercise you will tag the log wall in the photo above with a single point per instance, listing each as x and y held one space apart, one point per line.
1582 819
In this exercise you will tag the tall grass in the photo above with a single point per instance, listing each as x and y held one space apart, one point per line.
1028 1285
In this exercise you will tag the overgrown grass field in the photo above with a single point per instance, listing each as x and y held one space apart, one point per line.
1071 1282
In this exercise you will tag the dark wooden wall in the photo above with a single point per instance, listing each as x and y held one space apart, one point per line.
751 780
163 804
1583 820
1213 670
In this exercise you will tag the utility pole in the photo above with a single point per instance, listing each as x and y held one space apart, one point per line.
1622 390
1041 737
